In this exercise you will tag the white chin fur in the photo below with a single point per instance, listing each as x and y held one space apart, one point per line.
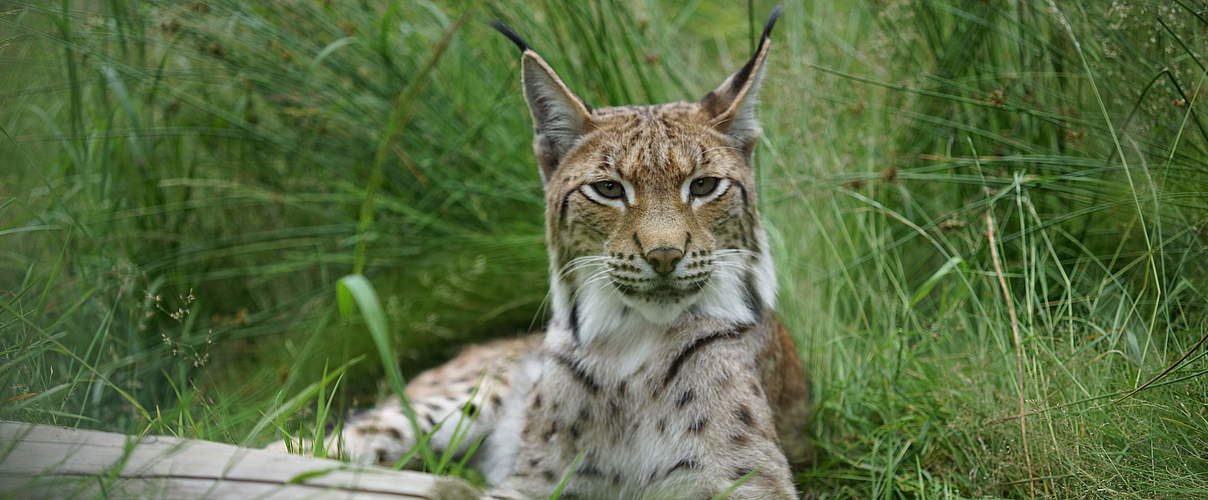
661 314
603 311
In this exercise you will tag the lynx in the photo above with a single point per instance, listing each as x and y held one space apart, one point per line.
664 372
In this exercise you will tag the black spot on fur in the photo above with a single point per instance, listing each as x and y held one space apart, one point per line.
395 434
549 434
579 373
696 346
751 297
470 409
588 470
685 398
740 439
537 401
574 319
686 463
739 473
496 400
548 475
431 421
744 415
697 425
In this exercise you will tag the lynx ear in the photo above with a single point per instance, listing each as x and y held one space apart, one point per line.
560 118
732 105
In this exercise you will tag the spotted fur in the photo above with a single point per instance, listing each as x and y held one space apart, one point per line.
664 372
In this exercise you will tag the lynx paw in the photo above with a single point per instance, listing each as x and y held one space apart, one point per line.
378 437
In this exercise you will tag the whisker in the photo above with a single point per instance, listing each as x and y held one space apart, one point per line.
583 260
580 263
580 268
725 252
595 277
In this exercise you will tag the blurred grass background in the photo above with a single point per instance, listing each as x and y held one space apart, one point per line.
183 182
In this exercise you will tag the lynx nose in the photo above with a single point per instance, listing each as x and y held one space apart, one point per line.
664 259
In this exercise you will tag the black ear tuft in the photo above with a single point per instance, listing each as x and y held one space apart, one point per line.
767 27
732 104
744 73
507 31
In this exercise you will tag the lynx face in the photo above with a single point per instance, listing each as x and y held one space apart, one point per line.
650 210
658 202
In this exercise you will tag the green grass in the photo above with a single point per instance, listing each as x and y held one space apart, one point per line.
183 184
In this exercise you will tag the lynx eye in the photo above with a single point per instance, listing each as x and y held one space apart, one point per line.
609 189
703 186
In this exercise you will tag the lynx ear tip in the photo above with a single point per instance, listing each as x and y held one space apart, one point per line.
771 23
510 34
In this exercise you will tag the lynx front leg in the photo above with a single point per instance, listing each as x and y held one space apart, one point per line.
455 404
384 435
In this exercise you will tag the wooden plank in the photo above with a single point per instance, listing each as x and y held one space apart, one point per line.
51 461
